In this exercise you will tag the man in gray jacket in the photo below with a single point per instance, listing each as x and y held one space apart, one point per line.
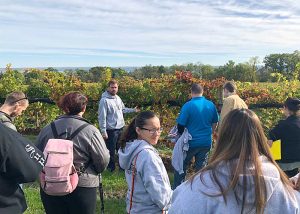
111 120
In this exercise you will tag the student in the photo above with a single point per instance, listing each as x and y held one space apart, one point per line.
89 152
20 162
199 116
231 100
14 104
288 131
241 175
149 189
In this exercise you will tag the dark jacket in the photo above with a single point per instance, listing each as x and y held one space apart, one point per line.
288 131
20 162
89 147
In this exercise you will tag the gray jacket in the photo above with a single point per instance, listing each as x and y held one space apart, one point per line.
110 112
89 147
152 190
194 198
6 120
180 149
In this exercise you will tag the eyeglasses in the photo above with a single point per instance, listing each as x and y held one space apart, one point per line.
24 98
153 131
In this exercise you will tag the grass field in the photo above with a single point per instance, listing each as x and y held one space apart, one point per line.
114 185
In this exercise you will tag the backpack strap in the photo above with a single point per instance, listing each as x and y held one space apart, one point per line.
55 134
132 183
54 130
77 131
132 180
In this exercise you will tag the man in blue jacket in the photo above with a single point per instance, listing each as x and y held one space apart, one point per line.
200 117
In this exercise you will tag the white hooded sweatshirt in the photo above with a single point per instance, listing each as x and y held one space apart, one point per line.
190 198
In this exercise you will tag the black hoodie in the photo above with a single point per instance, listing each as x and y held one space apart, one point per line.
20 162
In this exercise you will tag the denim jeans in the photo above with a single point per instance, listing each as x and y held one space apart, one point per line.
113 146
199 153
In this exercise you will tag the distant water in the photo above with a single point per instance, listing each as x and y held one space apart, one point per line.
126 68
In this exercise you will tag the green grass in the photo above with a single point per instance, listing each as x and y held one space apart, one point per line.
114 185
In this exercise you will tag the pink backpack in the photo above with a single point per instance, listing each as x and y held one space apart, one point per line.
59 176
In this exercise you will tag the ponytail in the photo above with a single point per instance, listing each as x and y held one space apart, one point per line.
129 134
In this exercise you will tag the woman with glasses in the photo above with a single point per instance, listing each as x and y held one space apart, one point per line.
149 189
241 175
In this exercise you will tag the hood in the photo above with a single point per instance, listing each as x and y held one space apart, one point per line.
270 175
131 149
106 94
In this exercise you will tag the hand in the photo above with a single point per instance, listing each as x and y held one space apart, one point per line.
137 109
104 135
270 142
296 182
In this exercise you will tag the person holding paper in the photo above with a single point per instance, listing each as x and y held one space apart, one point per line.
288 131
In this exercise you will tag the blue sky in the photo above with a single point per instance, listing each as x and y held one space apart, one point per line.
42 33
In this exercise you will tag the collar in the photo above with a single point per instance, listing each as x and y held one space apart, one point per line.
73 117
7 115
292 117
196 98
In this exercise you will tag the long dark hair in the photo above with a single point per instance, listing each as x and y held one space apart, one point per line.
241 141
139 121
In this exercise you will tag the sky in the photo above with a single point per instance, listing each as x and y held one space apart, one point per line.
77 33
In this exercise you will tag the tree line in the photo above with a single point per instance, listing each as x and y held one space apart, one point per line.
273 68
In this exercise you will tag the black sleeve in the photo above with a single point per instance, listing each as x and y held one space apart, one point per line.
23 161
275 133
180 128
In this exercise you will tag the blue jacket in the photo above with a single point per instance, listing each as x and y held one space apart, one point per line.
198 115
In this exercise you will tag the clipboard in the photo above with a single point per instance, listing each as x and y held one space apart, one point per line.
276 150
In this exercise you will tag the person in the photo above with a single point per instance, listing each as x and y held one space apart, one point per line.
241 175
231 100
14 104
288 131
20 162
90 157
149 189
200 117
111 121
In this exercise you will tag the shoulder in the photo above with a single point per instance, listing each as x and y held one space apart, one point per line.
188 104
195 195
149 155
229 99
209 103
103 99
118 97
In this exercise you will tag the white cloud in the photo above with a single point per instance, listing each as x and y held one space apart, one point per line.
149 28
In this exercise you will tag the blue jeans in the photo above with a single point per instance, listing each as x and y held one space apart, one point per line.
199 154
